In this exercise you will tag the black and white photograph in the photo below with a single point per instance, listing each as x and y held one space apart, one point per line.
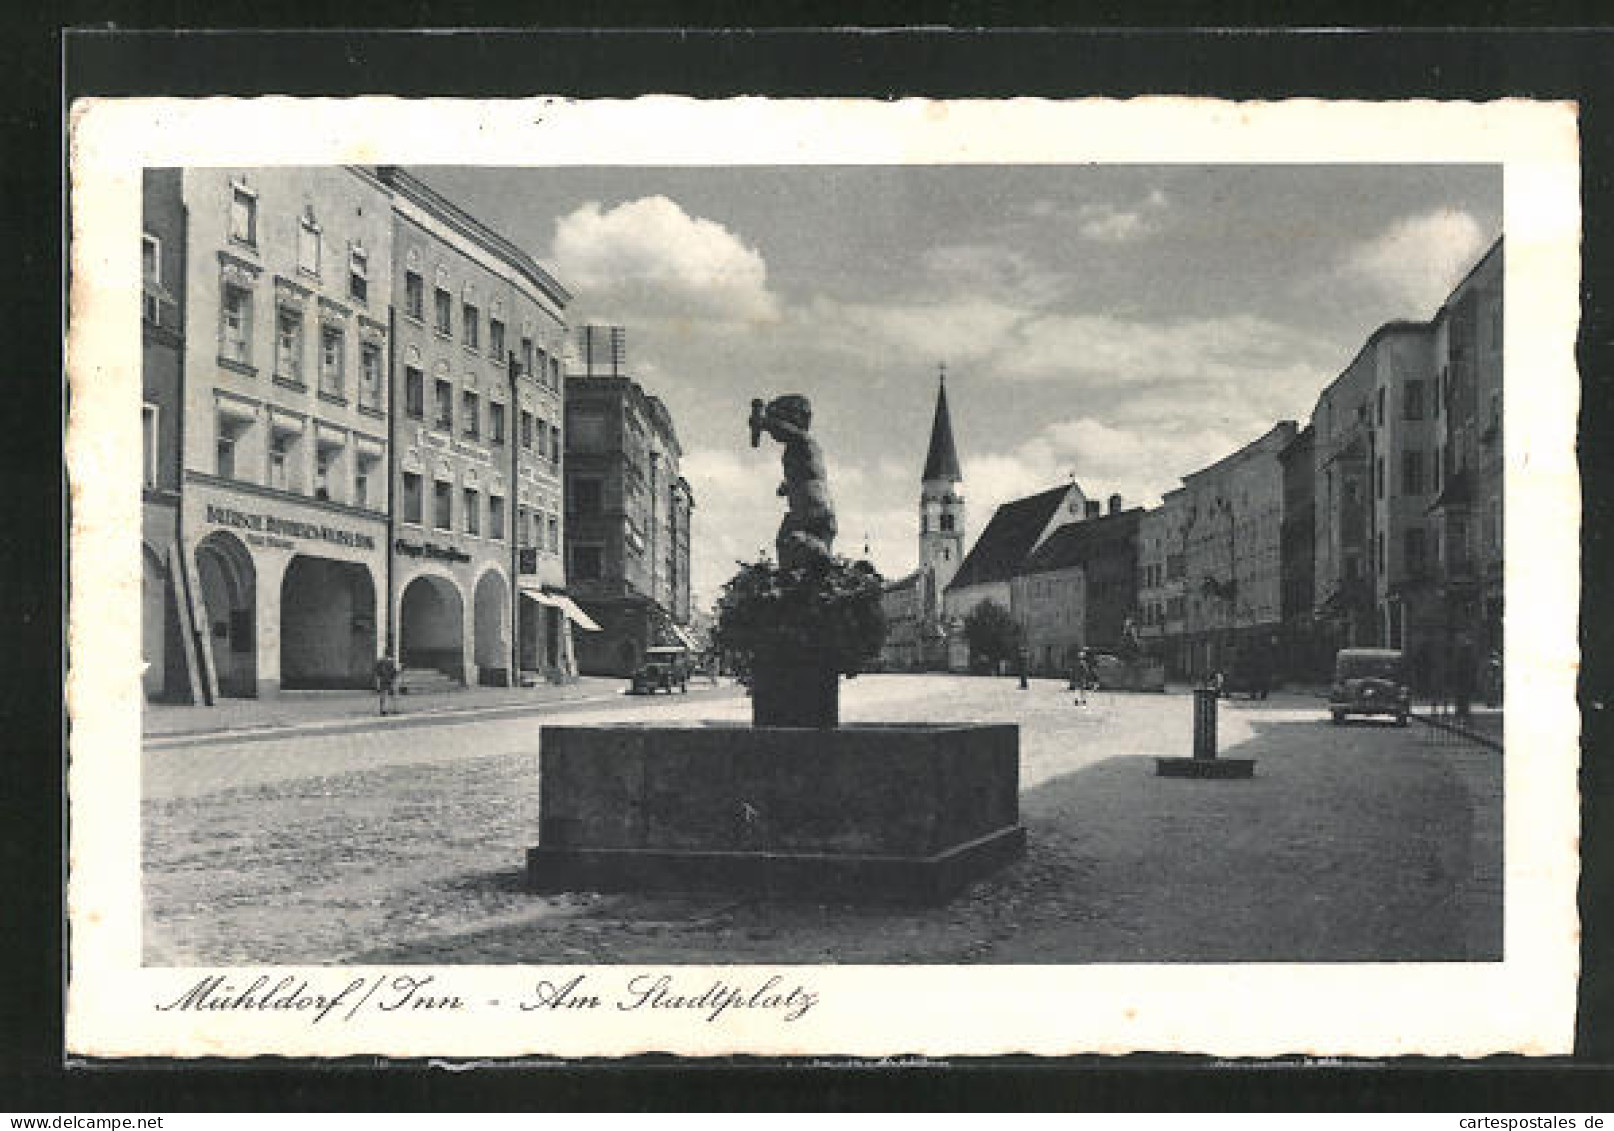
699 588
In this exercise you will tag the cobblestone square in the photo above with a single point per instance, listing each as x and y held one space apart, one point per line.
406 844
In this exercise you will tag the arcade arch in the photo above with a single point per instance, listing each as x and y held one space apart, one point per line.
229 583
431 626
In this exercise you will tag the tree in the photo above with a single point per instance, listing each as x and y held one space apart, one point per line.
992 632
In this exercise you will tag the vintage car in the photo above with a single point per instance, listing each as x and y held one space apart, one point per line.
1370 681
662 670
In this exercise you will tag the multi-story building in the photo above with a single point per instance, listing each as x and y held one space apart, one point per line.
988 571
284 500
1079 589
1301 656
1234 512
165 638
478 582
628 514
1162 581
1342 558
1466 519
916 637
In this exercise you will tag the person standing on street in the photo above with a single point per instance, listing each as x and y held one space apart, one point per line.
386 681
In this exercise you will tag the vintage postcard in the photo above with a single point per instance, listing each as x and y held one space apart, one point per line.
823 578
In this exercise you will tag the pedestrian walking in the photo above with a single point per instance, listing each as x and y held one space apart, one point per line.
386 681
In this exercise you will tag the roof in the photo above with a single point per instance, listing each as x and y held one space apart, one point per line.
1077 542
941 461
1012 534
413 188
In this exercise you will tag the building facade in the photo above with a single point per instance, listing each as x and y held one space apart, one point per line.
284 501
1301 654
478 581
1162 582
1079 589
165 637
1234 513
628 512
1466 515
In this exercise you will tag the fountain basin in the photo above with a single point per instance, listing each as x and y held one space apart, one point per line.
877 811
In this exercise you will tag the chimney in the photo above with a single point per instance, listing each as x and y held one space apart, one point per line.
1092 509
1115 504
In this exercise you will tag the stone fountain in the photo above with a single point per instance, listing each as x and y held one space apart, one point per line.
796 804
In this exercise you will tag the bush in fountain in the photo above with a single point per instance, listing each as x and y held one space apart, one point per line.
828 608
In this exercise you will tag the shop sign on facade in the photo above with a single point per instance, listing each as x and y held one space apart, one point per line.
272 525
429 550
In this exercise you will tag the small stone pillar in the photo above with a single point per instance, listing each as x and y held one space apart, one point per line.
1205 763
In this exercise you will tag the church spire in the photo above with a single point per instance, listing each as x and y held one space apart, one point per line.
941 462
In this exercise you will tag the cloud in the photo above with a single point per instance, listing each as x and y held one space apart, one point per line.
1138 463
649 258
1102 222
1419 259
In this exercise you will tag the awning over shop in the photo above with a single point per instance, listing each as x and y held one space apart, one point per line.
686 639
533 590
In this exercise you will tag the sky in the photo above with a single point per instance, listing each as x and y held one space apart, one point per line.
1123 324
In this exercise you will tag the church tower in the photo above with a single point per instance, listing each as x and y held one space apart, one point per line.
941 505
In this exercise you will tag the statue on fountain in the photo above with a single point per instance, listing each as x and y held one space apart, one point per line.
807 535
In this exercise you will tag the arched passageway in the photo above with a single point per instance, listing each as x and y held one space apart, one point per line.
431 626
327 624
229 593
492 629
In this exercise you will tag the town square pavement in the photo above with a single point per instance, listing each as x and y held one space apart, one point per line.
405 844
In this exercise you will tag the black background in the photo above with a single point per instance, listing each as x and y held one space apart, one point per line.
47 67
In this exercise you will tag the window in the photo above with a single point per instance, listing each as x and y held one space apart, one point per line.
472 318
496 422
1412 473
554 445
236 328
151 261
554 372
526 356
543 439
332 343
587 428
470 414
148 432
496 516
1412 400
442 505
585 496
473 512
414 296
946 522
370 375
445 405
496 339
322 472
1378 549
363 470
243 215
224 453
1416 549
308 246
585 563
414 392
358 274
289 344
279 458
526 429
554 534
1379 409
411 497
521 526
445 312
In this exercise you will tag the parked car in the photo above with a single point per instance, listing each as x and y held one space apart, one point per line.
1370 681
662 670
